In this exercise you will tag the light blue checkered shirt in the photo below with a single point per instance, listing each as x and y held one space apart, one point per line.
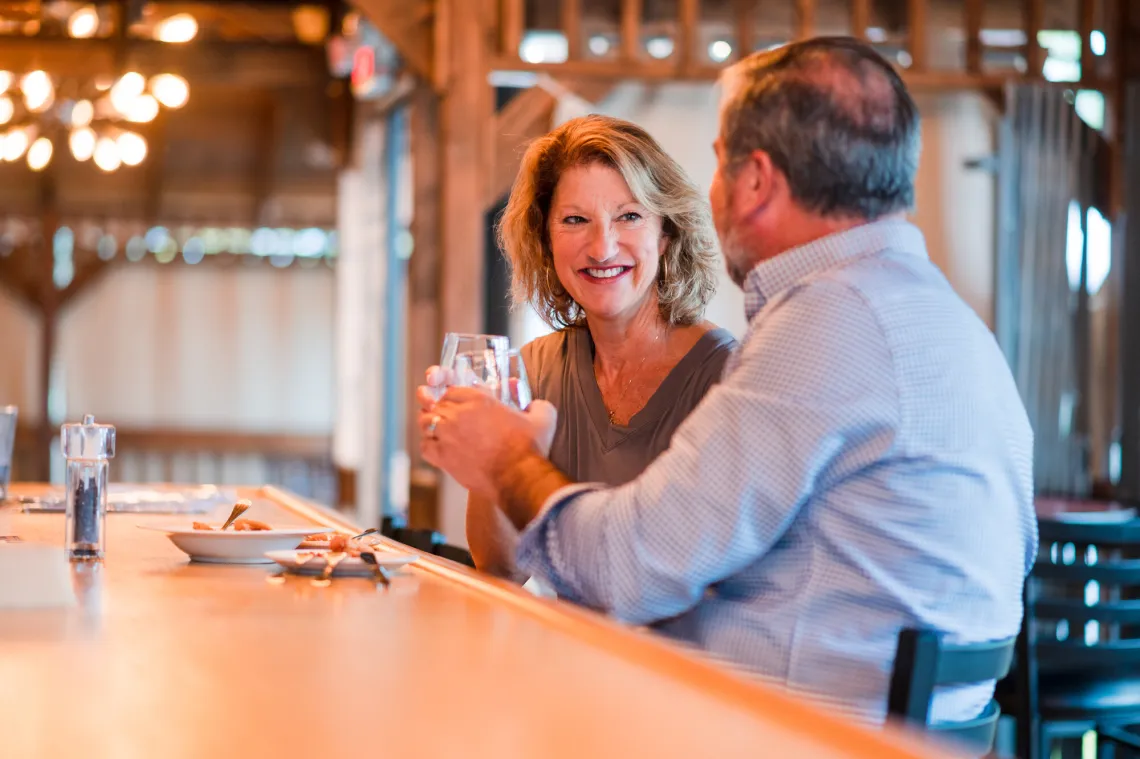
865 465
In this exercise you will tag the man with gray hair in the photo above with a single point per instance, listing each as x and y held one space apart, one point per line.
866 463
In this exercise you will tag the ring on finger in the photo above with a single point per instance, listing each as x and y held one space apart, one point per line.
432 425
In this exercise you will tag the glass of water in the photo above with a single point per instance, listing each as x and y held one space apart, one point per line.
471 359
486 370
8 416
517 384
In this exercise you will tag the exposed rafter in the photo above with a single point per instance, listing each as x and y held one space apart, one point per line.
407 24
233 65
525 118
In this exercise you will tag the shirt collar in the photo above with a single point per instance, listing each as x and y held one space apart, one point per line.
775 275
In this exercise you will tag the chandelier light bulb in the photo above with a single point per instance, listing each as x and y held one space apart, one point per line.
132 148
170 89
6 80
39 154
7 109
82 113
38 91
181 27
83 23
82 143
15 144
125 91
107 154
143 109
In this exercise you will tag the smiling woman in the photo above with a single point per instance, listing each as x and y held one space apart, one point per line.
613 245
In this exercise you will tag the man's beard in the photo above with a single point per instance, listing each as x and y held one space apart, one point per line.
734 257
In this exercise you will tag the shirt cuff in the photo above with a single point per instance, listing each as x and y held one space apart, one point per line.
533 554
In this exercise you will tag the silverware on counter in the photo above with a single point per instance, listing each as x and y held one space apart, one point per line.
369 557
369 531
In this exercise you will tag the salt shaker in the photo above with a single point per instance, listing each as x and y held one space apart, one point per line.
87 447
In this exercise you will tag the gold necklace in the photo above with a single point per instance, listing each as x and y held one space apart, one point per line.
610 412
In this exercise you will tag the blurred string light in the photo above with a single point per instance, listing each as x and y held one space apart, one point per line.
39 93
544 47
193 244
106 154
720 50
659 47
82 143
83 23
179 28
132 148
39 154
30 104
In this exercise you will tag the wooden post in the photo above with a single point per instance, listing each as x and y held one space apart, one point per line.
572 28
466 155
860 18
265 160
1087 20
424 334
512 25
805 18
630 30
49 321
688 28
745 28
972 23
466 111
1034 15
916 33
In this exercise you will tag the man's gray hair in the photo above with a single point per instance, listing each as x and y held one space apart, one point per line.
835 118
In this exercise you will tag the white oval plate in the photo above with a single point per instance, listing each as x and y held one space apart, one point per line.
232 547
353 566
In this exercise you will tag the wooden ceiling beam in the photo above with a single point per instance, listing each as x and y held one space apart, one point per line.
408 25
88 270
658 71
19 276
201 63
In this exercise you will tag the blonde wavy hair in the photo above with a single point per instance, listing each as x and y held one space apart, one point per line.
686 276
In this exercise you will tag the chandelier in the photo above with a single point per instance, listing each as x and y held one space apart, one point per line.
95 117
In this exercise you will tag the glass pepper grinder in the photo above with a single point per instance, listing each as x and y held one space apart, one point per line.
87 447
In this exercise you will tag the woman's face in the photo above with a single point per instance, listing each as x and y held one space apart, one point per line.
607 246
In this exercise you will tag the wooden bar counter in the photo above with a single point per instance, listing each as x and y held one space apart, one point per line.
167 659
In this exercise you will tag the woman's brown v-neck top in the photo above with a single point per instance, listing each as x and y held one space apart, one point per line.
560 367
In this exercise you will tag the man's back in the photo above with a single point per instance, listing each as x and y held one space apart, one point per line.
915 505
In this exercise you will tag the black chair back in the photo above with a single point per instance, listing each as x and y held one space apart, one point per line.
1083 599
421 539
923 661
455 553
